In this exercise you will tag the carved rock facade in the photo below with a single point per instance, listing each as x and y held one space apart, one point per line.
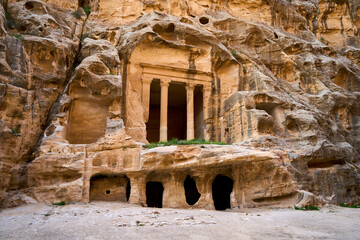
278 81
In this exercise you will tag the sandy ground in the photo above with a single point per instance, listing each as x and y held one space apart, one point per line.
104 220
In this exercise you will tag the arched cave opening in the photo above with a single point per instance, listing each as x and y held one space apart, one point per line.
109 188
191 192
154 194
222 187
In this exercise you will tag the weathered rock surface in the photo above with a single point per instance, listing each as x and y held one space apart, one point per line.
279 81
38 49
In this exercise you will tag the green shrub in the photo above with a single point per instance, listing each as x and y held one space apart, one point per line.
62 203
8 20
307 208
176 141
15 130
18 36
350 206
87 10
84 36
233 52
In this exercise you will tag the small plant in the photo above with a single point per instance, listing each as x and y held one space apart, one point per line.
350 206
8 20
322 39
84 36
62 203
307 208
15 131
87 10
233 52
76 14
18 36
110 73
176 141
47 214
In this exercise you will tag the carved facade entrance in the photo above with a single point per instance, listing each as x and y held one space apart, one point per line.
175 102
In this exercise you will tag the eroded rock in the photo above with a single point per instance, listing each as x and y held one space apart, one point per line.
276 80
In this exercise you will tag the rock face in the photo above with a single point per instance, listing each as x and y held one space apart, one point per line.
84 85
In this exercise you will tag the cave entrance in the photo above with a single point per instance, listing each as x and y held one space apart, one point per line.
110 188
154 194
191 192
222 187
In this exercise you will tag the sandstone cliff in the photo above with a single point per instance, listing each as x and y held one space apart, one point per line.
277 80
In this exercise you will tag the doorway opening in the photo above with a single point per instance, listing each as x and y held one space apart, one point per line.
199 113
177 111
128 190
153 124
191 192
222 187
109 188
154 194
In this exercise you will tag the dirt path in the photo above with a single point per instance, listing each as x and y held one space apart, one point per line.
104 220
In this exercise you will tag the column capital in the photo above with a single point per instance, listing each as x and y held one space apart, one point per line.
165 82
190 86
147 79
206 88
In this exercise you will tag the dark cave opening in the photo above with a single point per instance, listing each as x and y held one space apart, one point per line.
222 187
191 192
154 194
128 190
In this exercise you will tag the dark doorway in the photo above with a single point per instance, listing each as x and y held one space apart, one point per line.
222 187
153 124
154 194
177 111
191 192
199 113
128 190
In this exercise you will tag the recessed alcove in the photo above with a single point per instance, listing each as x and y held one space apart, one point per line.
110 188
87 120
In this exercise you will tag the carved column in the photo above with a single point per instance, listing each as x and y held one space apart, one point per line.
190 111
146 96
164 108
206 99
